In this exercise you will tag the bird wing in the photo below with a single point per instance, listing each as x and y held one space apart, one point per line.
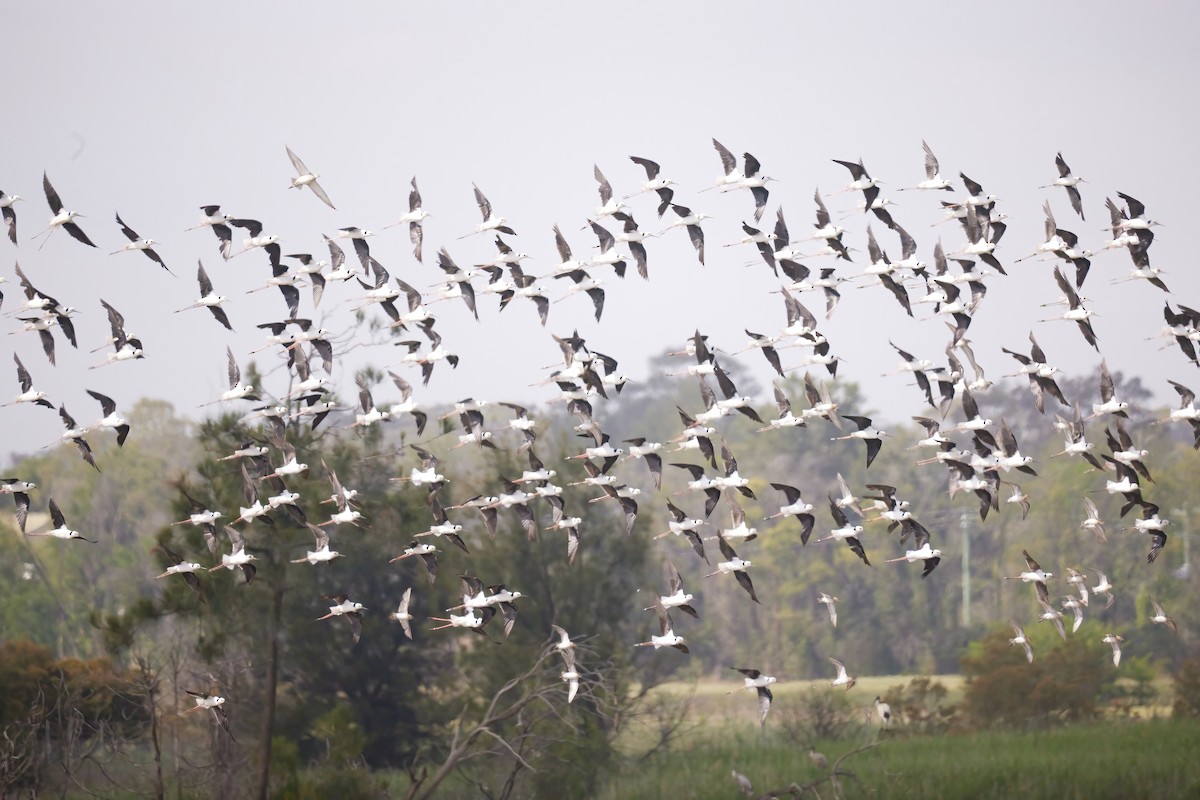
296 162
52 197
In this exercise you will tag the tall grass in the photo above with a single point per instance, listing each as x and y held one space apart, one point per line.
1151 759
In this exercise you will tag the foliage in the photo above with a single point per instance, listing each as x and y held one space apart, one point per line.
347 712
920 706
1082 760
1064 683
59 711
1187 690
820 715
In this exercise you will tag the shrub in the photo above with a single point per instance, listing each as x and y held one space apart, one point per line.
1187 690
819 715
1065 682
921 706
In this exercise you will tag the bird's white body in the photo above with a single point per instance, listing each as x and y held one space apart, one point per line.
322 554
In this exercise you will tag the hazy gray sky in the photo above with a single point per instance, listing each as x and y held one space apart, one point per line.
155 109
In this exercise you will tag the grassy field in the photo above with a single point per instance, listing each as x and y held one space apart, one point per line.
1130 759
1120 758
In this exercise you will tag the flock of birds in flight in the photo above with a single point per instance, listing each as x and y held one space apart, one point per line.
952 284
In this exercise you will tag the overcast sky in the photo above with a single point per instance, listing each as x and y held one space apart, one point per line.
155 109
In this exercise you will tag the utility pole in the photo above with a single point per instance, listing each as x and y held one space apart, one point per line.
1184 537
964 522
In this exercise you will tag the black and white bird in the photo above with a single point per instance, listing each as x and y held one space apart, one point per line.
9 212
491 222
845 532
178 566
62 217
237 557
681 524
933 176
654 183
414 217
73 433
209 298
883 711
323 553
862 181
691 221
1069 182
676 597
795 506
1034 574
19 489
609 204
60 529
108 407
867 433
756 680
666 636
351 610
736 565
428 555
219 223
137 242
125 347
213 703
28 393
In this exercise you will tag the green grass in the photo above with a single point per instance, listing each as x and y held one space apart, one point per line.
1128 759
728 705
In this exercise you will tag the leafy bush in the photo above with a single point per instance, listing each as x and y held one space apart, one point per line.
1187 690
819 715
1065 682
921 706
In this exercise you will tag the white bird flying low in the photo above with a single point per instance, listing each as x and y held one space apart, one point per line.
307 177
843 678
1115 641
754 679
402 615
570 675
830 602
1020 638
